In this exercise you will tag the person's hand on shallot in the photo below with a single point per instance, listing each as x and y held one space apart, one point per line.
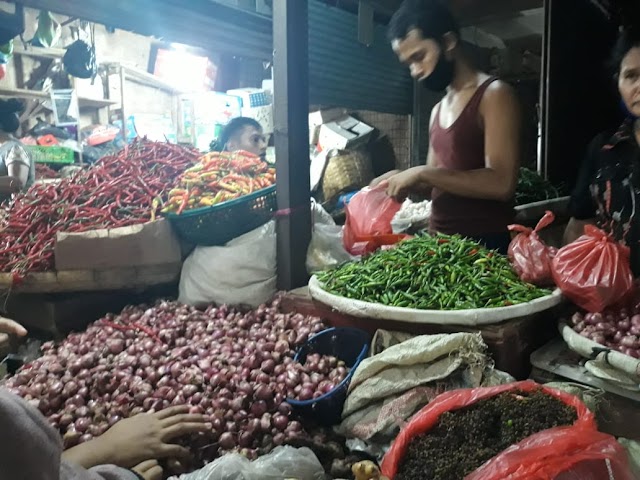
147 436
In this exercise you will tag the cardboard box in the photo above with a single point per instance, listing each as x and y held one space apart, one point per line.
343 133
148 244
263 115
94 280
251 97
89 88
317 119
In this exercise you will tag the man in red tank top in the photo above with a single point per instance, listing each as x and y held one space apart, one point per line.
473 161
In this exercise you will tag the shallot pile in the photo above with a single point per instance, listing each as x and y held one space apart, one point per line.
318 376
616 329
238 368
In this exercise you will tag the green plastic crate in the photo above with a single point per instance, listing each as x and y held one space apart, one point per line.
40 154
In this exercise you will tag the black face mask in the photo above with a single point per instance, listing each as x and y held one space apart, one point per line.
441 76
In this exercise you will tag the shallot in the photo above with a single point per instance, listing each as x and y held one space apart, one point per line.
237 368
618 329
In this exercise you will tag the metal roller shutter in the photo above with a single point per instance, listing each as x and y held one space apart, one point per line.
344 72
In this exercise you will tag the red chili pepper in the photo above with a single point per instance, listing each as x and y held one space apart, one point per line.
117 191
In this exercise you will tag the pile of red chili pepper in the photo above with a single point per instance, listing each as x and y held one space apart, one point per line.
45 172
217 178
119 190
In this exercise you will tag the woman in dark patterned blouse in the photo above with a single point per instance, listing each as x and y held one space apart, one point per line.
608 189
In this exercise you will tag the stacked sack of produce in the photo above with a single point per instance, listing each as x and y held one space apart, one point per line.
400 378
519 431
241 271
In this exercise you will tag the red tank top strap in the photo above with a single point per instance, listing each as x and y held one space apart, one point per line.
474 103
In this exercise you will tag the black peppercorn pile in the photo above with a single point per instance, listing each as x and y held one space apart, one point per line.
465 439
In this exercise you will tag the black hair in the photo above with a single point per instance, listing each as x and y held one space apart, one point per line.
9 120
432 17
628 39
231 129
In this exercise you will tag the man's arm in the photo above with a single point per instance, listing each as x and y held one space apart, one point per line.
431 162
497 181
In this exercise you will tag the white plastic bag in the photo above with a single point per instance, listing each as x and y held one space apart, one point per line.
243 272
411 214
281 463
326 249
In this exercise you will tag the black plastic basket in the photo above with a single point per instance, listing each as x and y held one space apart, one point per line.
218 224
350 345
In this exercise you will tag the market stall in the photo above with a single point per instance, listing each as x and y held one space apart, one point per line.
404 341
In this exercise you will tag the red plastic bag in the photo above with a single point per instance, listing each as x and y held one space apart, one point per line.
530 256
368 224
563 453
594 271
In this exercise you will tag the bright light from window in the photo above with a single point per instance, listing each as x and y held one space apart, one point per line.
185 71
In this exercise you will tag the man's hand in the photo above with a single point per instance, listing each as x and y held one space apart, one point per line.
149 470
377 181
402 184
11 328
148 436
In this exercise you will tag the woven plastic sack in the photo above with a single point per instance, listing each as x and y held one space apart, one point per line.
530 256
577 452
368 224
594 271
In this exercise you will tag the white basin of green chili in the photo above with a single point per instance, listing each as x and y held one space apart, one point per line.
438 272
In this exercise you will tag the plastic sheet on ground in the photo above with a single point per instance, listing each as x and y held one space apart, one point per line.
388 388
282 463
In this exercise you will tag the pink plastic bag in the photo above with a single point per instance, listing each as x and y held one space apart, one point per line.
594 271
368 224
530 256
577 452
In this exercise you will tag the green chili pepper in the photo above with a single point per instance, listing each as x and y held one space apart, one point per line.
432 272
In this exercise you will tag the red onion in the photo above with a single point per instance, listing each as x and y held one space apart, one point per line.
235 367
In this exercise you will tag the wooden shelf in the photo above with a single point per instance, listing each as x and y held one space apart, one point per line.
142 77
94 103
40 95
39 52
22 93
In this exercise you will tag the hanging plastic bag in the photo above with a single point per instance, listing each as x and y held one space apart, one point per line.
594 271
530 256
575 452
368 224
326 249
